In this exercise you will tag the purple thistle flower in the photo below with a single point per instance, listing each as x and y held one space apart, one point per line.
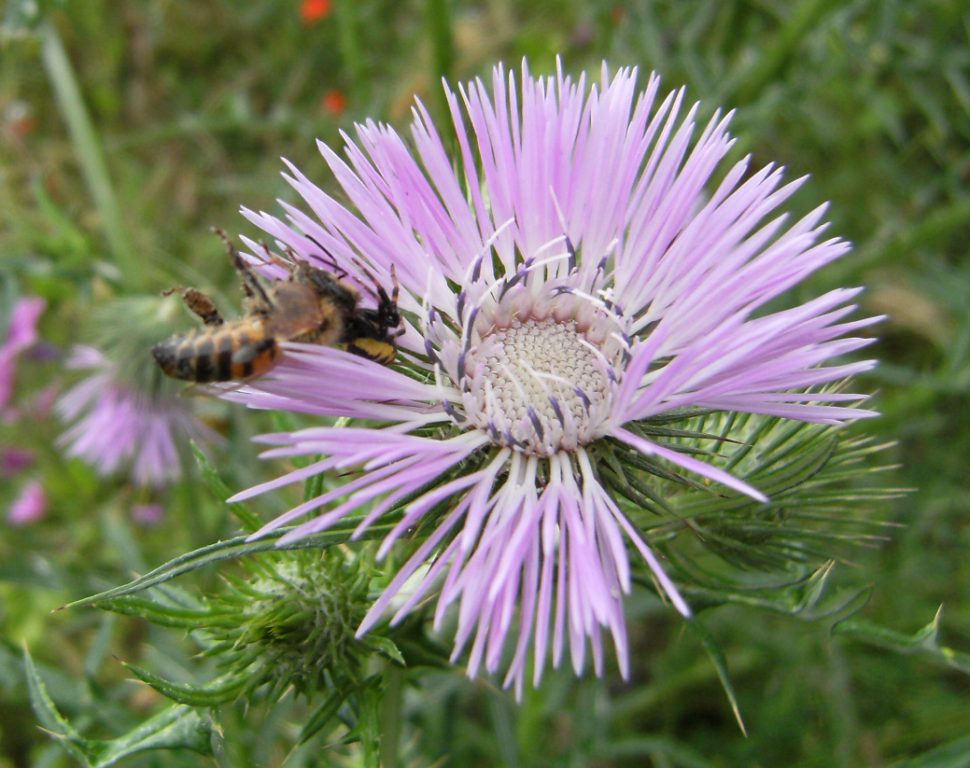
30 506
119 428
574 278
21 333
13 461
148 515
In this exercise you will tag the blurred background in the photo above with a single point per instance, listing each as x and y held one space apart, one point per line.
129 128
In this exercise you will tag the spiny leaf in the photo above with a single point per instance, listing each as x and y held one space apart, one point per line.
236 547
166 615
214 693
720 665
923 642
176 727
51 718
804 599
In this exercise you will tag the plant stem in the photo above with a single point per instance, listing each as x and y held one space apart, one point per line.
391 715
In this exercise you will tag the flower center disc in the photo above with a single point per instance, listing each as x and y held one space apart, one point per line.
540 386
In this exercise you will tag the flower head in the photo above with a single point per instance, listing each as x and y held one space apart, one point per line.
13 461
29 506
292 625
21 333
148 515
118 427
312 11
577 276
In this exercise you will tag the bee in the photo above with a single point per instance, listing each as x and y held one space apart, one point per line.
311 306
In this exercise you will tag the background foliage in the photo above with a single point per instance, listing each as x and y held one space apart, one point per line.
192 104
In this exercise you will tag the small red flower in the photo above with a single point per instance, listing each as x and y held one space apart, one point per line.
312 11
334 102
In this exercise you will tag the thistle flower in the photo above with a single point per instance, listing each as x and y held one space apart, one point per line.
14 461
29 506
127 415
21 333
292 625
117 427
148 515
576 280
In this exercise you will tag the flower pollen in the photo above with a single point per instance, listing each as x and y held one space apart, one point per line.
539 386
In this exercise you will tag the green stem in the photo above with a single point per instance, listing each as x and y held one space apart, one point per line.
88 150
391 715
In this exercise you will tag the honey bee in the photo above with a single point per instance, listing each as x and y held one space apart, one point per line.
311 306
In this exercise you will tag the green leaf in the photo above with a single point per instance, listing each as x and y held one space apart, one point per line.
176 727
953 754
325 712
386 647
220 491
217 692
52 720
229 549
89 152
168 615
100 646
923 642
720 665
804 598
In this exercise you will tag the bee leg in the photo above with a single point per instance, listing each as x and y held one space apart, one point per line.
328 258
198 303
377 291
395 286
252 289
271 258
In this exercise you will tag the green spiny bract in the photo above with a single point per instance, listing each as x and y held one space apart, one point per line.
292 624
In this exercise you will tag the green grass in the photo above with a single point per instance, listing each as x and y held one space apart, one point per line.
128 128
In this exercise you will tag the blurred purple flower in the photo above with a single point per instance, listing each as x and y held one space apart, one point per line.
13 461
575 278
30 506
148 515
21 333
119 428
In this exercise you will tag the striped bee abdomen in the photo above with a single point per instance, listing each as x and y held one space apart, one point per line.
231 351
